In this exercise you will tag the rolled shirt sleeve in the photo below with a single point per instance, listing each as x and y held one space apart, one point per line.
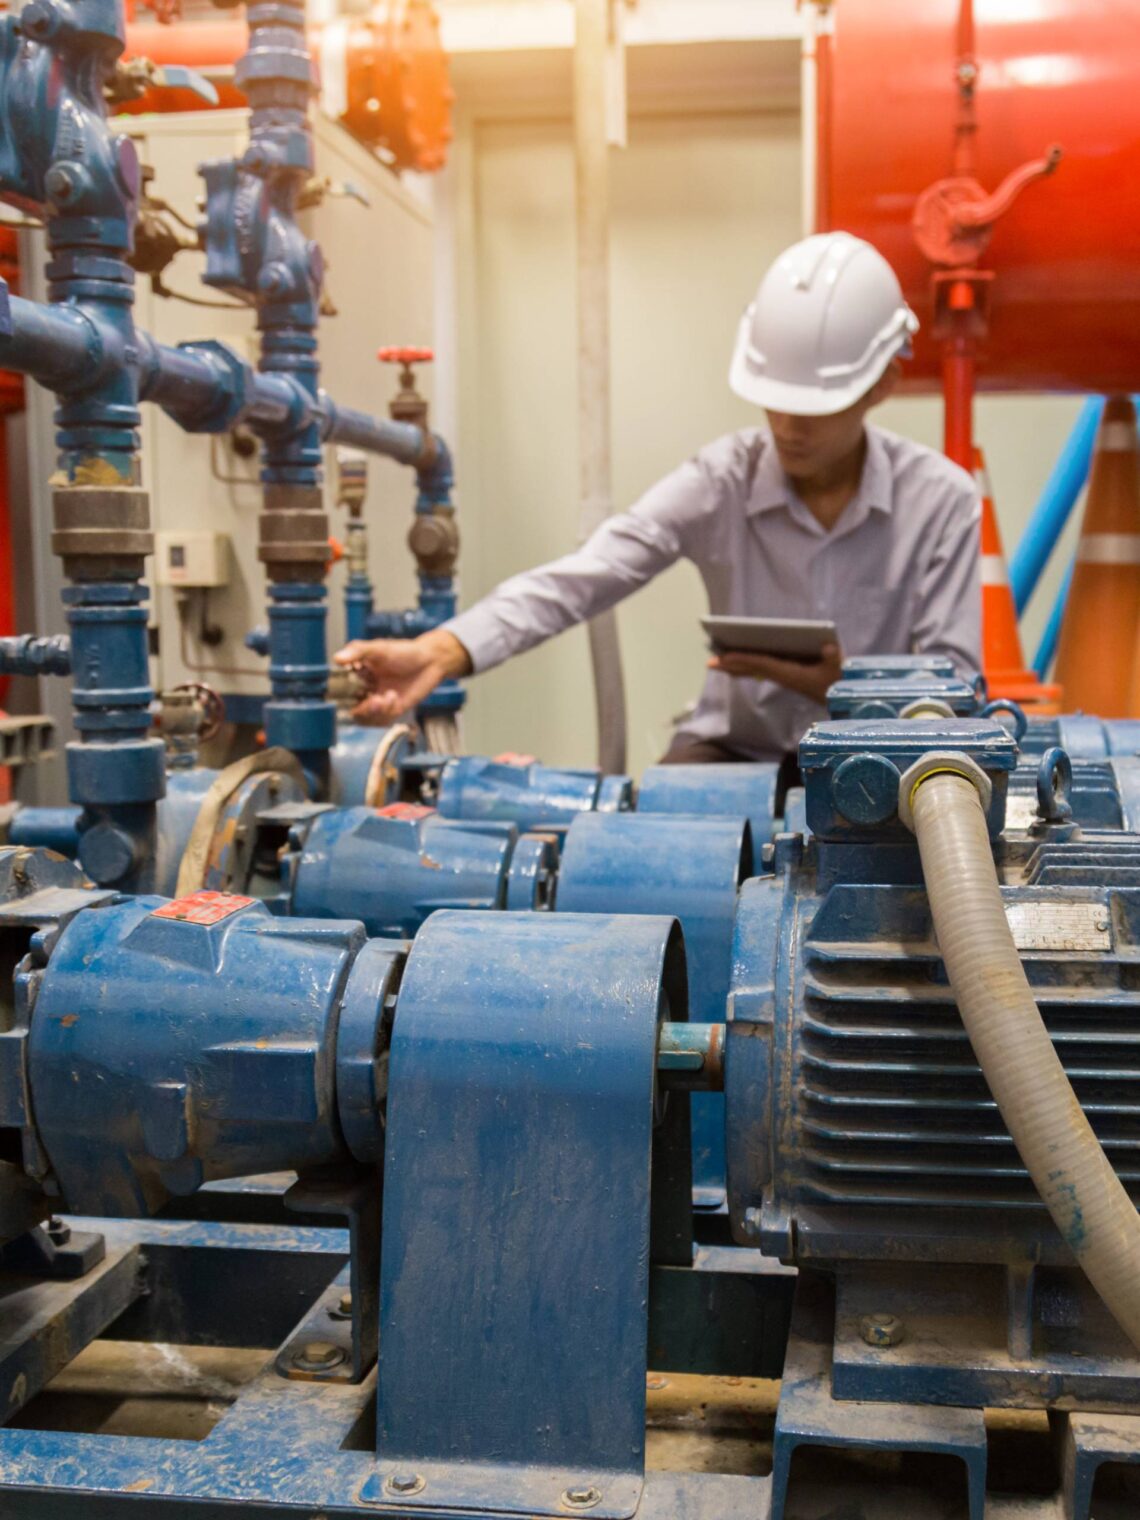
626 552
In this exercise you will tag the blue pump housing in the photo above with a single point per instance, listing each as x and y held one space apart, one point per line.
391 870
152 1073
749 790
530 795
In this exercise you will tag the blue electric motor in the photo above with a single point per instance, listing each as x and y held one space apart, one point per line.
862 1133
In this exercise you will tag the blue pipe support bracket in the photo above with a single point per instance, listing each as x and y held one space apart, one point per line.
175 1042
520 791
521 1042
692 868
714 791
395 867
1058 498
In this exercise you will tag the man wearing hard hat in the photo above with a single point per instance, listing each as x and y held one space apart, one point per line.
820 515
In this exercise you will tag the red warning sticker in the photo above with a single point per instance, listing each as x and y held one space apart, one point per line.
405 810
202 907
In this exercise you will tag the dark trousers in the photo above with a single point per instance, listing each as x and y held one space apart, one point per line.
685 750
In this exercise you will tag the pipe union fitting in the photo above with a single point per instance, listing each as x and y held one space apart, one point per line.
942 762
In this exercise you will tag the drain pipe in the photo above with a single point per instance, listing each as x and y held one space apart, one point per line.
591 139
944 799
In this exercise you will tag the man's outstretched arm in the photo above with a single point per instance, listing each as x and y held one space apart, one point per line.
402 672
626 552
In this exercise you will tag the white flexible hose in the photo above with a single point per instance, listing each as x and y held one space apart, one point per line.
1090 1207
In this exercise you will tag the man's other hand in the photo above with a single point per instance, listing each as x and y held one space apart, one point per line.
400 673
809 679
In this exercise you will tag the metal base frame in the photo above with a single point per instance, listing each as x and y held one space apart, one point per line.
304 1445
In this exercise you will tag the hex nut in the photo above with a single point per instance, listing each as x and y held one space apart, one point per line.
882 1330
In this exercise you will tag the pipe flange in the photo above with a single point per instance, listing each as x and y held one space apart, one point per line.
950 762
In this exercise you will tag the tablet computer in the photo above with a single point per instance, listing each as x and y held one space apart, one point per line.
789 638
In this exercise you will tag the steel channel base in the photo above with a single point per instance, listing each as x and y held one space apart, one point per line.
286 1445
303 1447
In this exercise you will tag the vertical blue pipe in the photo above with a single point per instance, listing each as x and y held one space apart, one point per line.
1053 510
58 152
1047 649
255 245
357 605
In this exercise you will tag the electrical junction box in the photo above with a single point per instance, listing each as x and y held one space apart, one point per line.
197 560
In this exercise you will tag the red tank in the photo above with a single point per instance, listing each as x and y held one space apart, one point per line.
1065 299
392 84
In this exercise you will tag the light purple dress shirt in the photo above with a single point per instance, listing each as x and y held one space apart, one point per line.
898 572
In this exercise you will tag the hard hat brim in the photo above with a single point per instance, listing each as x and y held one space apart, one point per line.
800 400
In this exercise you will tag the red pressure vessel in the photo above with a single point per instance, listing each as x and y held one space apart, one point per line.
1065 303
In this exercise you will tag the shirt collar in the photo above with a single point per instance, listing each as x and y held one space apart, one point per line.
771 488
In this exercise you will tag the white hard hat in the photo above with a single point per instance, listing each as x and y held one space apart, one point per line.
827 320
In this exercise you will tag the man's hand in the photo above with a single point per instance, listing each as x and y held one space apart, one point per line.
810 680
402 672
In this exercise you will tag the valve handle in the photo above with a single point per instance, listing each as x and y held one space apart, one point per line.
954 218
405 355
983 213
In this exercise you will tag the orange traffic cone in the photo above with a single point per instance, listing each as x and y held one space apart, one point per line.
1002 660
1096 651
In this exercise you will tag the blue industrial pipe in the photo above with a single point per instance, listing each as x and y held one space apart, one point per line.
26 655
1057 501
56 151
434 541
1047 648
256 248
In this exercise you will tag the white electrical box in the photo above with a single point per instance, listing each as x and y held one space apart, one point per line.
196 560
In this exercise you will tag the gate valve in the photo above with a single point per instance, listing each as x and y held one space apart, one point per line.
407 405
954 218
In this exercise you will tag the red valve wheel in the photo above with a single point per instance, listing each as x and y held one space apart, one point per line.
405 355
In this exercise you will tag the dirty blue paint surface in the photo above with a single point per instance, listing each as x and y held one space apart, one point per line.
522 1075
